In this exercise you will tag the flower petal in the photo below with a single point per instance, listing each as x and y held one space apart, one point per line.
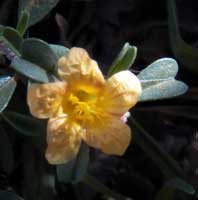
121 93
112 138
44 99
77 65
63 140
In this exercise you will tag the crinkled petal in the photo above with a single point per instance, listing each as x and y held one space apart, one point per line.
121 93
45 99
112 137
63 140
78 66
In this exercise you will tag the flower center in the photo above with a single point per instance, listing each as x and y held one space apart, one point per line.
81 106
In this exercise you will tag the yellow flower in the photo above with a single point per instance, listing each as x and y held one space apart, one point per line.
84 106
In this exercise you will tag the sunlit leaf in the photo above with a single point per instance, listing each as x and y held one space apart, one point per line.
76 169
158 80
40 53
160 69
124 60
185 53
163 90
24 124
7 87
29 69
38 9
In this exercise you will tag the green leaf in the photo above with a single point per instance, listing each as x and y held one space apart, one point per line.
186 54
7 88
38 9
29 69
124 60
5 195
59 50
23 22
40 53
12 40
75 170
24 124
163 90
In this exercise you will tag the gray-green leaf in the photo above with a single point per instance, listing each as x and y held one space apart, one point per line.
158 80
37 8
29 69
59 50
76 169
40 53
160 69
7 88
163 90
